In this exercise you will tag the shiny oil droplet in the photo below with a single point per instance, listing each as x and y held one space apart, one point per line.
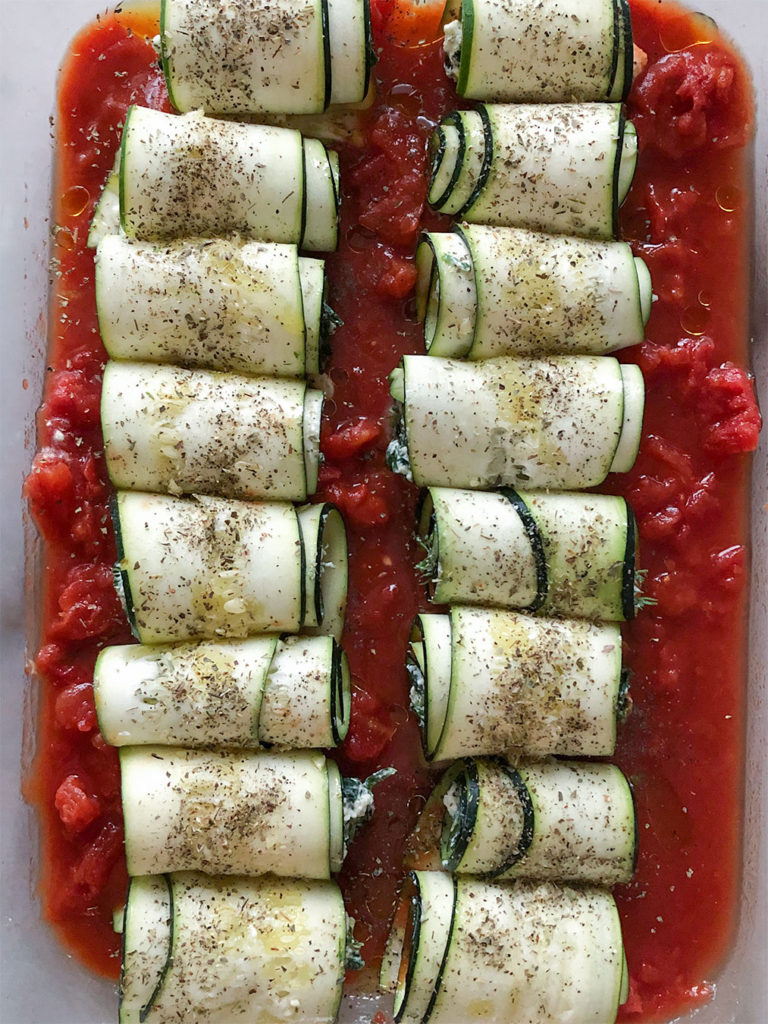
64 239
694 320
705 299
727 198
688 30
75 200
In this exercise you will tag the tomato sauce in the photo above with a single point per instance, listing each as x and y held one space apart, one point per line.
682 745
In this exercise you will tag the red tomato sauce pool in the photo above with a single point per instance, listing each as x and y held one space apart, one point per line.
682 745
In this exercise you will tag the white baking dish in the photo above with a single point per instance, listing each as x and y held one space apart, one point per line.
40 984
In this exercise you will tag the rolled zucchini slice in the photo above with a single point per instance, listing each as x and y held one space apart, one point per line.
216 303
555 821
562 423
209 568
223 949
559 168
106 215
285 693
486 292
564 554
260 56
486 681
178 431
529 51
469 950
325 568
193 176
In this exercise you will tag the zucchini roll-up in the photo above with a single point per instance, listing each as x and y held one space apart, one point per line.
218 950
564 554
192 176
236 813
216 303
556 821
485 681
562 423
207 568
485 292
517 51
288 693
523 953
182 431
256 56
561 168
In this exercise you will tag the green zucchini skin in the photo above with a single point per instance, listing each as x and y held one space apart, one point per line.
534 51
515 952
557 168
250 949
282 693
498 682
553 820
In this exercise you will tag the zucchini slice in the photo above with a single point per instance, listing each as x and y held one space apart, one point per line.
147 928
209 568
485 292
240 949
106 215
288 693
556 821
515 684
259 56
325 568
216 303
193 176
514 952
228 812
178 431
564 554
530 51
559 168
540 423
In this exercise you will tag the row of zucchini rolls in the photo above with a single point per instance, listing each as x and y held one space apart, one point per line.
517 409
211 305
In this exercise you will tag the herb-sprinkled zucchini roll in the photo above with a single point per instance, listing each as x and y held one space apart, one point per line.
207 568
517 51
523 953
285 693
217 303
485 292
255 56
561 168
555 820
563 423
192 176
219 950
487 681
237 812
564 554
180 431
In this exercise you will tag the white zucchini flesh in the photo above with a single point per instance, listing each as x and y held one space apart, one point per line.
106 215
564 554
227 812
348 35
488 292
522 953
321 216
520 685
179 431
556 821
216 303
517 51
559 168
206 567
540 423
189 175
234 949
246 57
289 693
